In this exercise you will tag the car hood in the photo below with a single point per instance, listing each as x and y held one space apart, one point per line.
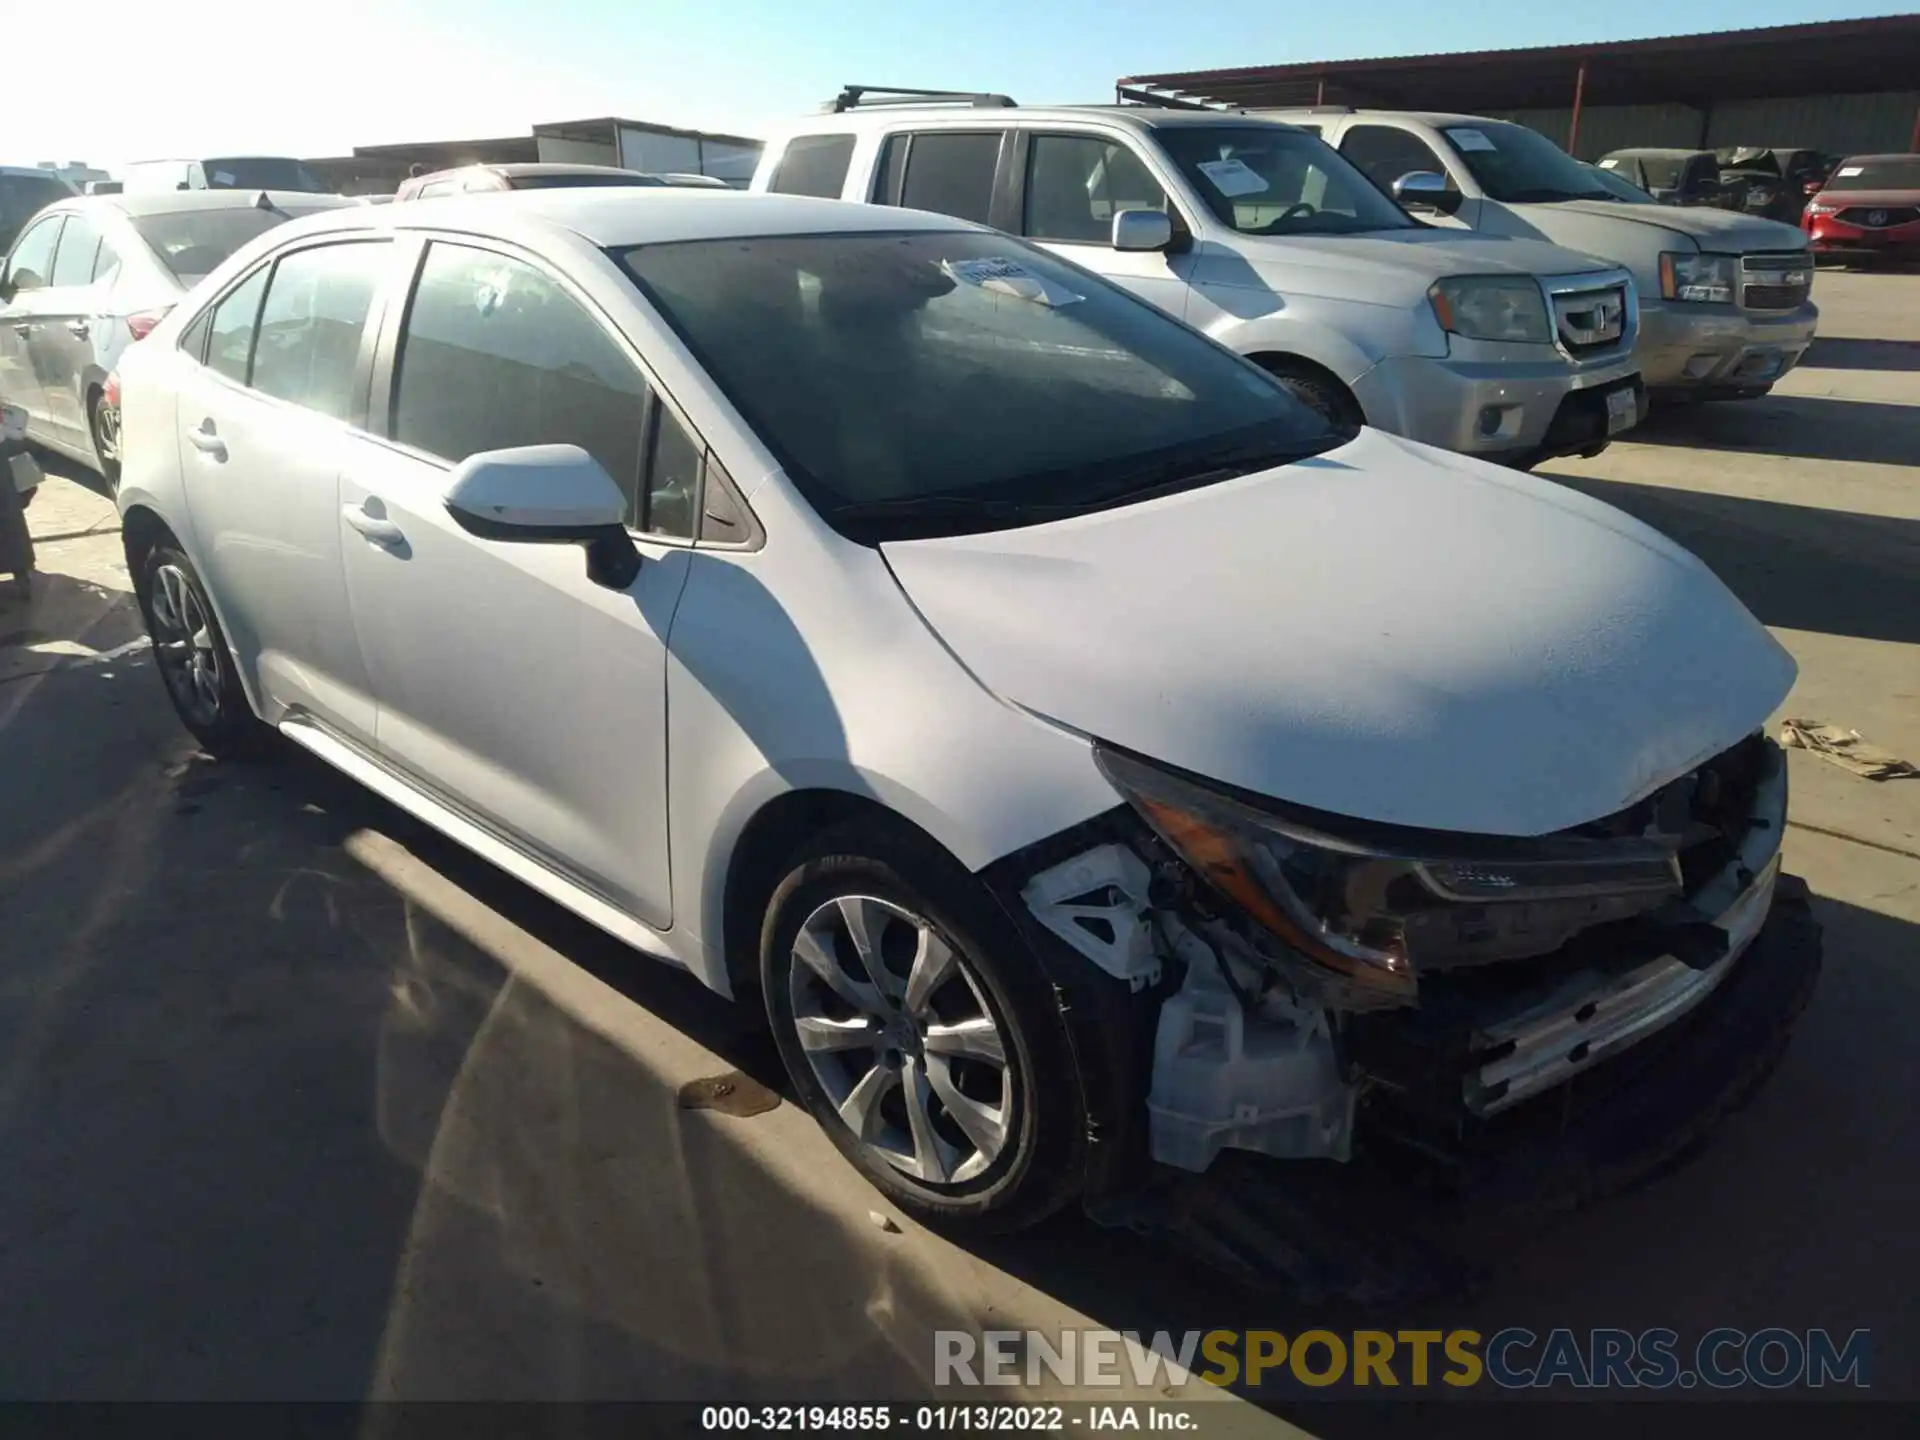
1868 199
1386 631
1414 258
1719 230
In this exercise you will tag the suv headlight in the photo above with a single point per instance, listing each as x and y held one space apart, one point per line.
1492 307
1363 910
1704 278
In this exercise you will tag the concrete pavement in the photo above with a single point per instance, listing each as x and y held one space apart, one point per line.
298 1100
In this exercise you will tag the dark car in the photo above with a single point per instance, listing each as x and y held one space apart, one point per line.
23 193
1673 177
1868 210
469 179
1773 181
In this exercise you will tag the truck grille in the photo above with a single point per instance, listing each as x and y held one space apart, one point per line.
1775 282
1591 321
1879 217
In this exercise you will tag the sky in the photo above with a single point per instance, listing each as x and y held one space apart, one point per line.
206 77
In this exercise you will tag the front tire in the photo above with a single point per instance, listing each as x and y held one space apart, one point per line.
193 656
920 1032
103 426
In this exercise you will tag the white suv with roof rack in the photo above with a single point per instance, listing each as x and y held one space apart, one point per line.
1726 302
1260 235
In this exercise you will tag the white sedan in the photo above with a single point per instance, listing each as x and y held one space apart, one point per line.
1069 736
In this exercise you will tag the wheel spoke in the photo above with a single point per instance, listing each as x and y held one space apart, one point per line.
861 1108
865 922
819 1033
976 1039
932 966
817 958
984 1126
933 1157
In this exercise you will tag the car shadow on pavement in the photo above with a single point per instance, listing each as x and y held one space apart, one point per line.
1795 566
1814 427
1844 353
60 467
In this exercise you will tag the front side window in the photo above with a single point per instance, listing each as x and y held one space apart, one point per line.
1077 183
1520 166
495 354
1877 172
316 308
813 165
949 172
22 197
230 348
253 172
79 248
1274 180
941 382
1386 152
194 243
31 263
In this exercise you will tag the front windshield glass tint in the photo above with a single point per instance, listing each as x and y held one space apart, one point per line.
1891 172
1521 166
246 172
942 382
192 243
1266 180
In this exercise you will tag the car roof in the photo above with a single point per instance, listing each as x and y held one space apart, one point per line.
894 117
515 168
1875 159
1660 152
181 202
631 215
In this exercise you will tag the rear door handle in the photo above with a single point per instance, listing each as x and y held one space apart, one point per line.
377 528
207 441
77 329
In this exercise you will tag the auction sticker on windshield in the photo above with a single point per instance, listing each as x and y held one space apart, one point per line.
1232 177
1010 278
1470 140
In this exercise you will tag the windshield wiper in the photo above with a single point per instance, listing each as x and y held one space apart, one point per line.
1552 197
949 507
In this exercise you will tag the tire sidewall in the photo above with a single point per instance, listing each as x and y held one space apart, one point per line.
235 728
1033 1174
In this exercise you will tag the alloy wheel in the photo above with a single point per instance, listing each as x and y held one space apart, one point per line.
900 1037
106 433
183 641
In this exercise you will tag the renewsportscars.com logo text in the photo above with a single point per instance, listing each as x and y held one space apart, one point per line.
1511 1359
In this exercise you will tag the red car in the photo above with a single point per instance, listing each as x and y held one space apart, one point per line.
1868 209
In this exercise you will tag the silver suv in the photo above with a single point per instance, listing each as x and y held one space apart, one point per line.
1726 303
1262 236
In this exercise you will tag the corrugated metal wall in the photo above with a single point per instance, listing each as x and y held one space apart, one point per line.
1843 124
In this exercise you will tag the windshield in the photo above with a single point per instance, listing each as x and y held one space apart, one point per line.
261 173
1618 187
1887 172
1267 180
936 383
191 243
1521 166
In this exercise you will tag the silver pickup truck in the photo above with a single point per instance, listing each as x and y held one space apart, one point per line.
1725 299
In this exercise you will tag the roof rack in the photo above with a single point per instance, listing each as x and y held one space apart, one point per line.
1168 100
857 97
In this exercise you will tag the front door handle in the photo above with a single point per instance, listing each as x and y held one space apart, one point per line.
77 329
377 528
207 441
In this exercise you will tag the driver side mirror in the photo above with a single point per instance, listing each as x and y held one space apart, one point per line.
547 495
1426 188
1142 230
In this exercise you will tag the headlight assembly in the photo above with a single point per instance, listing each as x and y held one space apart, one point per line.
1702 278
1364 913
1492 307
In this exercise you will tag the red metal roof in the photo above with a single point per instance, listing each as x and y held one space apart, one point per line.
1833 57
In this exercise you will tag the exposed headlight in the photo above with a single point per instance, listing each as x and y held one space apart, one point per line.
1492 307
1706 278
1364 911
1815 207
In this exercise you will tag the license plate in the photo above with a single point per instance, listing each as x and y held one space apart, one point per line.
1623 410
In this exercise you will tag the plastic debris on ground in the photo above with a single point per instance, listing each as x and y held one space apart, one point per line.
1846 749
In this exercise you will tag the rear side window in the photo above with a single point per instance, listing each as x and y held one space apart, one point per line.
1386 153
813 165
105 262
79 246
310 326
192 243
951 173
496 355
32 259
234 322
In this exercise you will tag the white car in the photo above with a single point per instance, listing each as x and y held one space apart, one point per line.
1266 239
876 615
93 274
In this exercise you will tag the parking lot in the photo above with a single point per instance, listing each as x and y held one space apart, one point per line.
300 1100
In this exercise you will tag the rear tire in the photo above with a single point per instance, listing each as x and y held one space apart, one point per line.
933 1054
194 659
